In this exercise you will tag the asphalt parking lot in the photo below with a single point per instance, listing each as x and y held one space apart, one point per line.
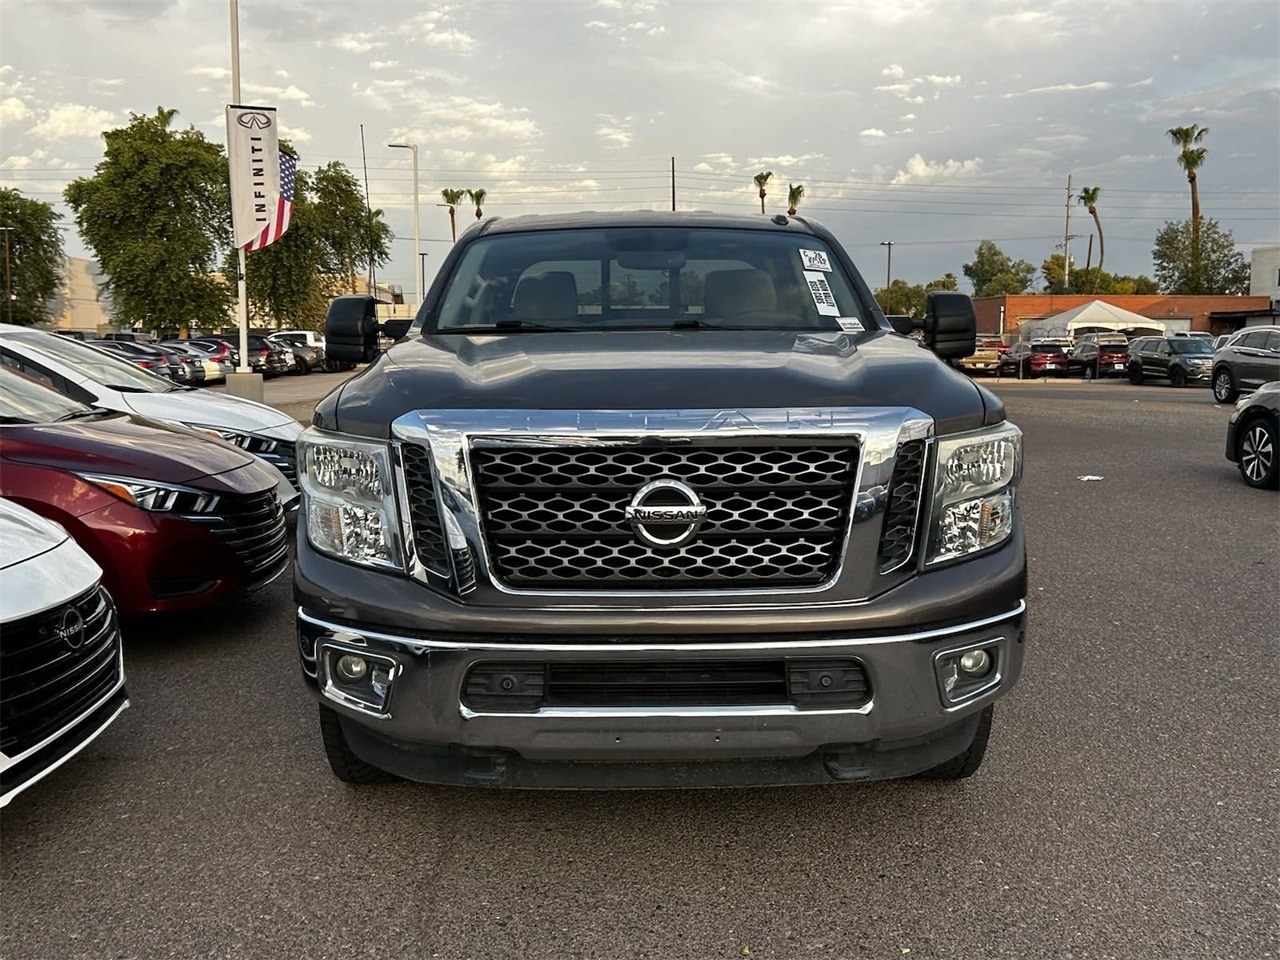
1127 807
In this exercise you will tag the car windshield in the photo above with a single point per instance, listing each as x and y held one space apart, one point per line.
24 400
1046 348
1192 345
648 279
96 365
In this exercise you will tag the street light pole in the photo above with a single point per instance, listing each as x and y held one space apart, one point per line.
417 225
888 267
8 282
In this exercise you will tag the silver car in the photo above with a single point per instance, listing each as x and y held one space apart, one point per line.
1245 362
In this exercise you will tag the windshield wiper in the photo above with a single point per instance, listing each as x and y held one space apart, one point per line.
11 419
125 388
77 414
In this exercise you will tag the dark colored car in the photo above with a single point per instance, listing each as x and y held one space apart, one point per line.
151 362
1098 360
1252 435
306 357
181 370
175 519
1245 362
1030 359
657 499
217 348
1180 360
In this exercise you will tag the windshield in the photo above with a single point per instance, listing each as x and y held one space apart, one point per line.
1046 348
1192 345
96 365
24 400
650 279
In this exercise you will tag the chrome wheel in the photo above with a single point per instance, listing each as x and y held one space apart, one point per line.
1224 391
1258 454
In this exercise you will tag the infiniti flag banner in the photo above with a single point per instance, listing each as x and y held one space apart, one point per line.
253 152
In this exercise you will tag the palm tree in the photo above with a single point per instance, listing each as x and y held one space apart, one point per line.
761 179
795 193
1190 159
453 198
477 197
1089 198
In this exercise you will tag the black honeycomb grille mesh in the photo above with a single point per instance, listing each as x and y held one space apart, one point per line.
897 541
424 511
554 518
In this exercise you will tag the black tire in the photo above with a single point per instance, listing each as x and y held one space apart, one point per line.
346 766
303 367
965 764
1135 374
1224 386
1178 377
1258 455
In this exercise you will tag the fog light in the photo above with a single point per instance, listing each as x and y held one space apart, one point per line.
975 663
350 668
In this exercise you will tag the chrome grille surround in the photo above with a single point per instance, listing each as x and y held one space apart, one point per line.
458 442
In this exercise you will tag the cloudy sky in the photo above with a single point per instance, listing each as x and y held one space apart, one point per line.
931 124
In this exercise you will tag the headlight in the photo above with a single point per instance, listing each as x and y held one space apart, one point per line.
349 499
155 497
974 492
245 441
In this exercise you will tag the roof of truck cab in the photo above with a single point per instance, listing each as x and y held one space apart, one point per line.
640 218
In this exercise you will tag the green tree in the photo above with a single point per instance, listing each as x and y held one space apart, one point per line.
1207 264
994 273
453 198
1089 198
352 238
1191 158
795 193
33 261
947 281
156 214
1094 280
477 197
760 180
902 299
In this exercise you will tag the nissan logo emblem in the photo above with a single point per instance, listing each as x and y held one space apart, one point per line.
665 513
70 628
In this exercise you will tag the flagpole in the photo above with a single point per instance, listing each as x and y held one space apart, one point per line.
244 383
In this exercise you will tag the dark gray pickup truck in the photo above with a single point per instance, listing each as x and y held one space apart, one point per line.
657 499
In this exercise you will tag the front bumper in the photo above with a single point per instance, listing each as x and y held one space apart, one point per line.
426 732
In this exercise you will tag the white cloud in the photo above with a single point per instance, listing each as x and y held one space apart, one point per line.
16 163
427 28
295 134
73 120
357 42
275 94
893 70
384 64
896 88
907 116
1142 83
1062 88
943 81
458 119
615 133
918 168
282 74
872 132
13 110
213 73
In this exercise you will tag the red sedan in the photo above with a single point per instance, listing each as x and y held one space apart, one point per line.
1025 359
176 520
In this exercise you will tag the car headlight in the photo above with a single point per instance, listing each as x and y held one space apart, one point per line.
974 492
155 497
349 499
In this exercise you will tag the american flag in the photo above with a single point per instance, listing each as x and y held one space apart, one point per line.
274 230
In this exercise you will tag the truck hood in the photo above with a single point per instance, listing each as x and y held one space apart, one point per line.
660 370
124 446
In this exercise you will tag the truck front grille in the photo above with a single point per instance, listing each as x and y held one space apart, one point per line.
897 541
55 667
806 683
554 516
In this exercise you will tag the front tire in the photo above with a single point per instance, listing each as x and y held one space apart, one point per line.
346 766
1178 377
1135 374
1224 386
1257 455
965 764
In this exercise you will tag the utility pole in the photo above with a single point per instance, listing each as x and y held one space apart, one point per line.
417 226
1066 241
888 266
673 184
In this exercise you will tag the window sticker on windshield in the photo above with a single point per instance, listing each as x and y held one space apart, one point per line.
815 260
850 324
822 297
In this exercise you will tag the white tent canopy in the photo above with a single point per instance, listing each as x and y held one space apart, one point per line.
1092 317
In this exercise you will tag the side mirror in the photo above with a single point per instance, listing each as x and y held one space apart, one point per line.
351 329
950 326
902 323
396 327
